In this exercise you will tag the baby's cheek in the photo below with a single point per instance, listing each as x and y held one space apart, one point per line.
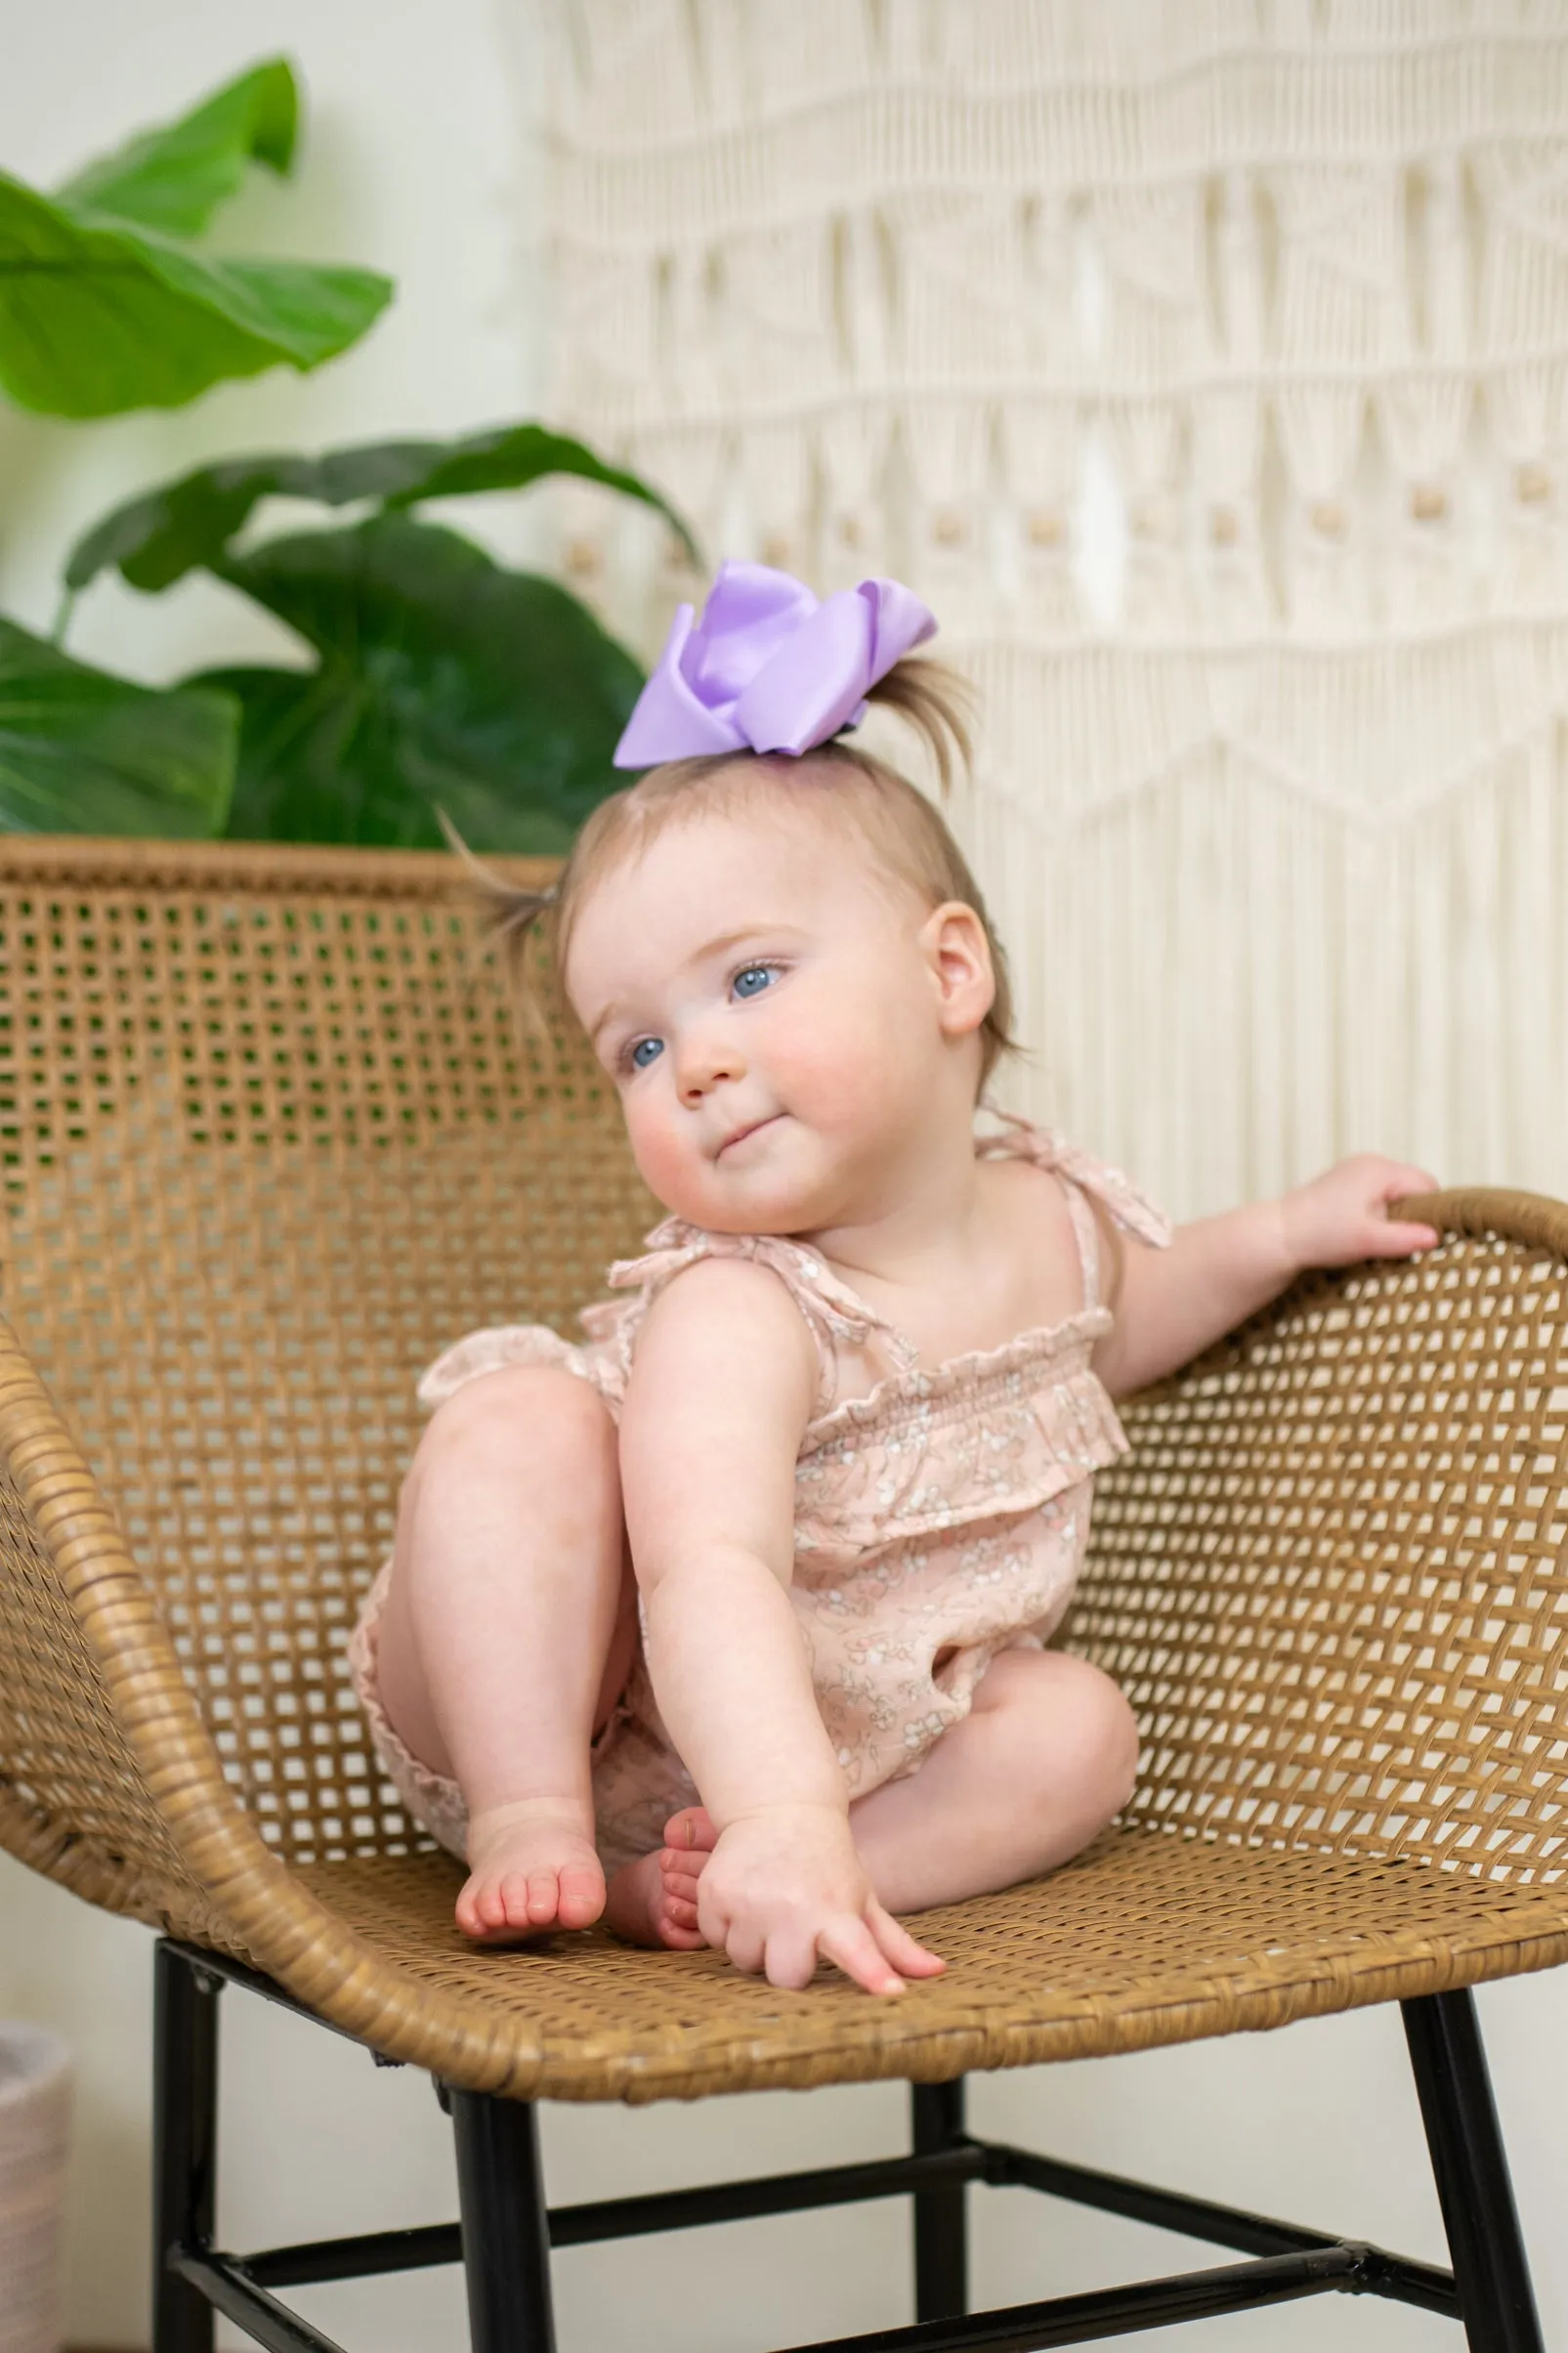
845 1091
663 1165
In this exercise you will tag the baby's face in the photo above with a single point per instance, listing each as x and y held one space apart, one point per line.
765 997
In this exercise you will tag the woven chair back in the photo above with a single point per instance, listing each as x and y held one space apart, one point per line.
1333 1574
271 1140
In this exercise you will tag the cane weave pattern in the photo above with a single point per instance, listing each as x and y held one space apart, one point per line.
1359 1641
270 1141
1141 1941
266 1154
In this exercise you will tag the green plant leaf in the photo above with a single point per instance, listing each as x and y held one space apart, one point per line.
103 309
175 178
443 681
156 539
82 753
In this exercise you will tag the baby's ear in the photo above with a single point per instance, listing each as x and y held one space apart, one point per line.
953 940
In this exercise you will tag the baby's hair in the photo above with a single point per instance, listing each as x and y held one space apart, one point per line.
847 784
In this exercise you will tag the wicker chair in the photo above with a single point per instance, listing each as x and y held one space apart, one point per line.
268 1146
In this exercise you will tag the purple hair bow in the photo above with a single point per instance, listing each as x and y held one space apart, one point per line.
768 668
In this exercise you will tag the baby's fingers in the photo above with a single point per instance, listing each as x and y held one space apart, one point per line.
900 1948
1395 1239
792 1959
1391 1237
851 1947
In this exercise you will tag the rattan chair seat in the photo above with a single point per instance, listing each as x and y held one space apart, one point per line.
1146 1939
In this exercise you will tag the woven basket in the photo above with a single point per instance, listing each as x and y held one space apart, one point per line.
35 2087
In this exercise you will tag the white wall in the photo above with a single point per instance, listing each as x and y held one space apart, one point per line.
412 166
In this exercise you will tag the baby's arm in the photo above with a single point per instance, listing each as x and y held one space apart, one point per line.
1174 1303
721 1390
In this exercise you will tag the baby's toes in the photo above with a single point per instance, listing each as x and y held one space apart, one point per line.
542 1906
692 1831
678 1875
507 1901
677 1926
688 1840
582 1894
490 1906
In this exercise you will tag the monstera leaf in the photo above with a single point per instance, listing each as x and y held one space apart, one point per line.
82 753
103 307
160 537
443 681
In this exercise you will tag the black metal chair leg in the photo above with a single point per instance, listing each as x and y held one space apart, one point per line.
184 2144
941 2215
1474 2189
506 2230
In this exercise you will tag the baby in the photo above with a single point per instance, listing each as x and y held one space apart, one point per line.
744 1601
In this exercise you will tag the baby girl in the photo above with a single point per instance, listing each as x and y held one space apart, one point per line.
743 1602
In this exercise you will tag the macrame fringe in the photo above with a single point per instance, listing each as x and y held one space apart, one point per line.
1206 365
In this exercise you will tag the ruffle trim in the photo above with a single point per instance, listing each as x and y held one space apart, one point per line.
494 1350
967 1381
833 1313
926 1476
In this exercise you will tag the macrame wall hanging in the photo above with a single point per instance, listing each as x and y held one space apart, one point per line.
1203 363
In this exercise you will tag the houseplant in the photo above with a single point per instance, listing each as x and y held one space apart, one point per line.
438 678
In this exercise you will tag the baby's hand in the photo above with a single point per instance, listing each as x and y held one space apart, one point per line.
1341 1215
784 1886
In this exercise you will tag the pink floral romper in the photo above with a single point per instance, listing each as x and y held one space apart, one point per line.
938 1521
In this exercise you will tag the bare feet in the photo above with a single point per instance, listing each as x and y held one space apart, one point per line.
654 1900
532 1869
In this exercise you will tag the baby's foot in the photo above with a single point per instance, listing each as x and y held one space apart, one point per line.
654 1900
532 1868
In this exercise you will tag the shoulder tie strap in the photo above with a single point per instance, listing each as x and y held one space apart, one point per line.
1131 1209
1087 1236
833 1314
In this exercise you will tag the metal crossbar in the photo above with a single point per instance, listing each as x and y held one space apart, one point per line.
992 2163
234 2286
1081 2319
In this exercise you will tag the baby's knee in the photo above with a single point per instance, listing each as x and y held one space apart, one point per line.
1083 1725
538 1413
1116 1744
1107 1733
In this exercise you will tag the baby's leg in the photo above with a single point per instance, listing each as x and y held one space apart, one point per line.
508 1633
1046 1756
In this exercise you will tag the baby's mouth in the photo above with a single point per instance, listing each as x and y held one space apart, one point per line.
741 1134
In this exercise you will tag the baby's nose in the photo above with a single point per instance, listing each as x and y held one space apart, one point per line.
705 1063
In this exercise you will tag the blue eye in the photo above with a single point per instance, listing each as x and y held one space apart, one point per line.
645 1050
752 979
